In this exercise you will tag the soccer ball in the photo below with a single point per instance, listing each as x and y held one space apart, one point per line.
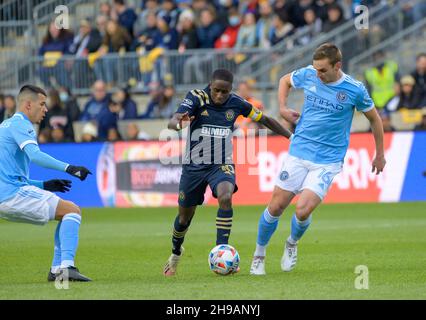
224 259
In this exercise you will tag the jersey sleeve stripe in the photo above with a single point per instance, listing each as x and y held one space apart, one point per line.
369 108
291 80
23 144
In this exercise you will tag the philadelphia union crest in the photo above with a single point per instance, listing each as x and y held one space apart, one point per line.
229 114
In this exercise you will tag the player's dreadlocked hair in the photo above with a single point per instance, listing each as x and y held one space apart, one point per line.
328 51
223 74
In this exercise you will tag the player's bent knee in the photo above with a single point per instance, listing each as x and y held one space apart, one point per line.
303 211
225 200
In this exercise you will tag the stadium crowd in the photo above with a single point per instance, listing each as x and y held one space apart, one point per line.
156 26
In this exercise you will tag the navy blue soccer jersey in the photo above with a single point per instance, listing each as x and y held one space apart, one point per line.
210 133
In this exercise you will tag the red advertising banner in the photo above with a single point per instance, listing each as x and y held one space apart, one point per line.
133 175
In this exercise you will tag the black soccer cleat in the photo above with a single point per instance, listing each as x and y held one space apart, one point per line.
71 274
51 276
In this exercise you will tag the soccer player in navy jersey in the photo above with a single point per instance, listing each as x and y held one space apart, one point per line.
211 113
317 150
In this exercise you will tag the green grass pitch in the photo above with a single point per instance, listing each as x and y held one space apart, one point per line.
124 251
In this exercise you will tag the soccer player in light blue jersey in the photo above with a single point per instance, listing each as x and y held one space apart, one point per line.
318 147
32 201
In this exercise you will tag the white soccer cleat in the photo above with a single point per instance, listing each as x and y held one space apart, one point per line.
289 259
258 266
172 263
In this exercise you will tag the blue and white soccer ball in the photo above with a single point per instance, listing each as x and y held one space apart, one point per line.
224 259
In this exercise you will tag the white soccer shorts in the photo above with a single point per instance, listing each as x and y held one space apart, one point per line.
297 174
30 205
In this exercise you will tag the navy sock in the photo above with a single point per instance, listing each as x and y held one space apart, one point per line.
223 226
179 231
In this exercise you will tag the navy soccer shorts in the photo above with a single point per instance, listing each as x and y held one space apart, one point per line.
194 181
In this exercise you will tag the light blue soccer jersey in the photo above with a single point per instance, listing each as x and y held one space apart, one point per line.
15 134
322 133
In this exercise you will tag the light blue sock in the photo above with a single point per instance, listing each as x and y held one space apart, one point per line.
298 227
267 226
56 262
68 235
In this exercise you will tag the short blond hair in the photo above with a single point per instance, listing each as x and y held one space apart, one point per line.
328 51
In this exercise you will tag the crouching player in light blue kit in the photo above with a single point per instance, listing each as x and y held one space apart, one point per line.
317 150
31 201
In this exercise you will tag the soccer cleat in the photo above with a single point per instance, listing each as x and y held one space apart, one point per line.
51 276
289 258
71 274
258 266
171 264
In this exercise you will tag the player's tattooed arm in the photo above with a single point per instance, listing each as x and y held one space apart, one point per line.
283 90
275 126
180 121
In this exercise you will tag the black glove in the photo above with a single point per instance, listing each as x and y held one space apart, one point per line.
78 172
57 185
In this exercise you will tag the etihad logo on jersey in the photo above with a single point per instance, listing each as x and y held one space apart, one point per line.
324 104
215 132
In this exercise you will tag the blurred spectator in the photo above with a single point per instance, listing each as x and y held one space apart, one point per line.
419 75
150 6
168 36
44 135
170 12
89 133
245 90
124 105
71 104
97 102
57 115
295 12
282 7
282 29
107 119
407 98
207 33
228 39
55 44
134 133
223 8
144 45
188 38
58 134
86 42
422 125
311 29
264 25
101 24
162 105
335 18
116 40
247 33
126 16
9 108
113 135
209 30
105 9
382 80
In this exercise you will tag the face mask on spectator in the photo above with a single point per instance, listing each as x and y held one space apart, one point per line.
63 96
234 21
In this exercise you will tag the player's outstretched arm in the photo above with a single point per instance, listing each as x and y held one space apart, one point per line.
179 121
379 161
44 160
275 126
